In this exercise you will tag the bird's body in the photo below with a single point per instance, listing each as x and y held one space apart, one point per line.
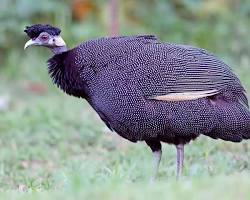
146 90
120 76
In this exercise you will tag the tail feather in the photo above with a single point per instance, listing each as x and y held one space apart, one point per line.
232 122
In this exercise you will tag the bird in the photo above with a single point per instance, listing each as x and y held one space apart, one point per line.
148 90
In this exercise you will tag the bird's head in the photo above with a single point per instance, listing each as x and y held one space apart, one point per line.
44 35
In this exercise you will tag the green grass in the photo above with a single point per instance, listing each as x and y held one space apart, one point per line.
53 146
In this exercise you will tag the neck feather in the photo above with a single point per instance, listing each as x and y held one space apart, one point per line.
65 74
57 69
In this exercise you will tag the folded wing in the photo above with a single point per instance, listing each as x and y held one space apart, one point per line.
179 73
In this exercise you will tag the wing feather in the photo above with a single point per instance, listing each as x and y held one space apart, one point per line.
186 73
184 96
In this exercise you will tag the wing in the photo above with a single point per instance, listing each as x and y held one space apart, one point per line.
165 71
179 72
184 96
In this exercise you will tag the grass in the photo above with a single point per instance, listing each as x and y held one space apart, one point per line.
53 146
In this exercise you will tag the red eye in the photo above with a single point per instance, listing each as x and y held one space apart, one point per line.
44 37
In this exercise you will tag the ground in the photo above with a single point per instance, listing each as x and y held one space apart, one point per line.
55 146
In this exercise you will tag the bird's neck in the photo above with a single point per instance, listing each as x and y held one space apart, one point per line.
65 74
58 50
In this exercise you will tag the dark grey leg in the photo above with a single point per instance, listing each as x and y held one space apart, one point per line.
180 159
157 152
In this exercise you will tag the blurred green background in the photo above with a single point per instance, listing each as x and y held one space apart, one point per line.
55 143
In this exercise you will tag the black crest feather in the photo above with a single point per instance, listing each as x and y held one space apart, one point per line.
35 30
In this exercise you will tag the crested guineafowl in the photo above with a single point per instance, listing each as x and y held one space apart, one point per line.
148 90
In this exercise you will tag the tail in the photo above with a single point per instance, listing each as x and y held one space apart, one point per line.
232 122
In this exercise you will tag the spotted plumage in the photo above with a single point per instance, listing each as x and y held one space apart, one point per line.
120 76
128 81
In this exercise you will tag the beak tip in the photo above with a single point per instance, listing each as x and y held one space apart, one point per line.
29 43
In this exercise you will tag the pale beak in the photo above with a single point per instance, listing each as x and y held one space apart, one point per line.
30 43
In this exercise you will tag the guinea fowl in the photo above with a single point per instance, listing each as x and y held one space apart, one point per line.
148 90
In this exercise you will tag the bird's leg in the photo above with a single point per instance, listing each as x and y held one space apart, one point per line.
180 159
156 149
156 163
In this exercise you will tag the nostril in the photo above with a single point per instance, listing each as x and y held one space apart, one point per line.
53 40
